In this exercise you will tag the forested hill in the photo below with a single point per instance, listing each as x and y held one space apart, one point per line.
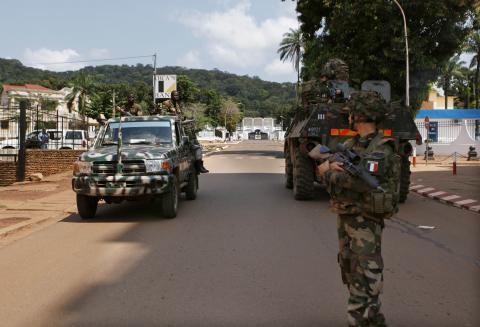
258 97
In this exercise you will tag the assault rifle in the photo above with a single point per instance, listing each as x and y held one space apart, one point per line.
351 164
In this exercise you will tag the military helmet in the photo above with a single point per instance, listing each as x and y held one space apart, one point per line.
368 104
335 69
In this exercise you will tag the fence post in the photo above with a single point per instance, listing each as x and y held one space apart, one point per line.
414 157
22 126
454 163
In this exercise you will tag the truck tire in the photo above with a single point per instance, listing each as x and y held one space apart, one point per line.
87 206
288 170
192 186
404 179
303 177
170 201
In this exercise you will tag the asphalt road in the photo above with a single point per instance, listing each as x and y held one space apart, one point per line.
245 253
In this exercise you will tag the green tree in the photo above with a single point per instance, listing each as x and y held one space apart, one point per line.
214 104
291 49
451 70
101 102
462 86
473 46
83 87
368 35
230 115
188 90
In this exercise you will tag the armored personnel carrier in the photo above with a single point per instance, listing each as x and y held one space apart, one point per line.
326 123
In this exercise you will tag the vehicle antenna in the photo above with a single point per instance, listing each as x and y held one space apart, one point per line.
119 147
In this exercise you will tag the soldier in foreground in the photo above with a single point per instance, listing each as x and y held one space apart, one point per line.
362 210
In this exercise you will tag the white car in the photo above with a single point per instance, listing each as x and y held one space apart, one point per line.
66 139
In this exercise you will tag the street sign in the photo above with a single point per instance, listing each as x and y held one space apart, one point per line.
433 131
164 85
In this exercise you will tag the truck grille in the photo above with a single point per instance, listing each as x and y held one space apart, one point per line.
130 167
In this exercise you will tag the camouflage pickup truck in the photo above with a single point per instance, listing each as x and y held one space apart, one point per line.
135 158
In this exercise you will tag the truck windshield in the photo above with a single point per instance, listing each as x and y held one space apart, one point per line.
144 132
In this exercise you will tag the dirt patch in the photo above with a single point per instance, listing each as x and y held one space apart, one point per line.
5 222
33 190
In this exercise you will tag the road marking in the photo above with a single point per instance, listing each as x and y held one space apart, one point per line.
428 189
414 187
475 208
451 197
468 201
431 195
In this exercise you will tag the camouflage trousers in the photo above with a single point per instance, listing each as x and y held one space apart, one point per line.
361 264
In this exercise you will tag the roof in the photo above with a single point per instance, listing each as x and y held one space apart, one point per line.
449 114
30 87
142 118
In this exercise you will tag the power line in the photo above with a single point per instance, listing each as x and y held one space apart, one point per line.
85 61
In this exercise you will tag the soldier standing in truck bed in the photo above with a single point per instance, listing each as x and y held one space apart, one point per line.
131 108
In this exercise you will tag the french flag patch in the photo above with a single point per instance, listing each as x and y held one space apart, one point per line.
372 166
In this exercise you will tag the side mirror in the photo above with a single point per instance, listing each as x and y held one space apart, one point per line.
185 140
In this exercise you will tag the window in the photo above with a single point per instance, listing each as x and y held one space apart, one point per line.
76 135
145 132
4 124
55 135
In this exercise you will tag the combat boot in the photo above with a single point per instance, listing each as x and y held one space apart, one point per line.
200 167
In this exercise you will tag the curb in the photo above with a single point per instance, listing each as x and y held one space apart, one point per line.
445 197
207 154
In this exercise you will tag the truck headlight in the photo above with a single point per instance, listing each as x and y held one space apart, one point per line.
82 167
156 165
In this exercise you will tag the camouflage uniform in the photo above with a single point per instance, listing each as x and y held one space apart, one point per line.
361 213
321 90
135 109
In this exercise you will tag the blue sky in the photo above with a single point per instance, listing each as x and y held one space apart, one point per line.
236 36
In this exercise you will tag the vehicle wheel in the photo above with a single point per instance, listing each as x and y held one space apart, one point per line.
303 177
404 179
288 170
87 206
192 186
170 201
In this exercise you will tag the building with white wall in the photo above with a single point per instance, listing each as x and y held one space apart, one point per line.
264 125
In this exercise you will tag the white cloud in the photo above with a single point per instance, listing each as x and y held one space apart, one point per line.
278 68
61 60
234 37
191 59
42 58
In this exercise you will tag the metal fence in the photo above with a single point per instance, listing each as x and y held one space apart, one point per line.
65 131
444 132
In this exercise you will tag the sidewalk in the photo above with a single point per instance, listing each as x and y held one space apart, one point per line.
26 206
436 181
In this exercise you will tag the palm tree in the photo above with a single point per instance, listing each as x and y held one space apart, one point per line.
83 87
473 46
452 69
291 49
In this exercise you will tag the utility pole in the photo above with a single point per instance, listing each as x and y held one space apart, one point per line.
407 77
154 74
114 105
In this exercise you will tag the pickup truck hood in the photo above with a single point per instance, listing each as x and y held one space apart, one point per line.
129 152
